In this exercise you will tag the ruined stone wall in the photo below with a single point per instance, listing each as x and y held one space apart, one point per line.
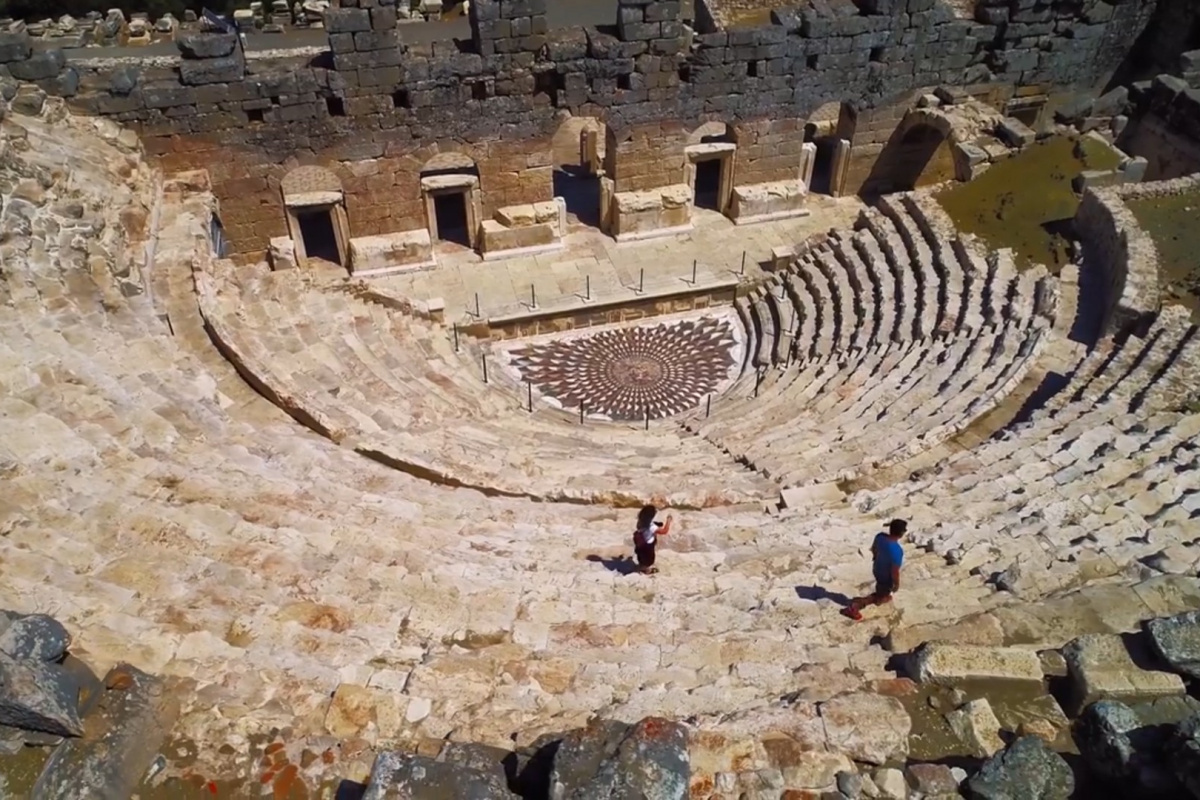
372 97
1119 253
1165 129
768 149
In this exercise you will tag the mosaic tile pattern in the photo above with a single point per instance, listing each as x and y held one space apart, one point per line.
622 373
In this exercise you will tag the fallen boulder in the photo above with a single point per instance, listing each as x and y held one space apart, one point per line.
37 696
613 761
1182 752
35 636
1177 641
401 775
950 664
1025 770
867 727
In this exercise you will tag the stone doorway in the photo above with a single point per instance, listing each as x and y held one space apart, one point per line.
451 207
711 174
316 216
318 234
450 210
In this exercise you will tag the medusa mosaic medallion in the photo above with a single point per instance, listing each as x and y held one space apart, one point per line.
627 373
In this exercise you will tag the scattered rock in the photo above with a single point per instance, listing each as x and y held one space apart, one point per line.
1108 666
850 784
29 101
932 779
207 45
38 696
867 727
1053 663
35 636
124 736
1102 733
1182 752
976 725
614 760
1025 770
890 783
1177 640
949 664
405 775
1042 728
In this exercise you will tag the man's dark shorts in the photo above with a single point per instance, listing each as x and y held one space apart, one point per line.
882 588
645 555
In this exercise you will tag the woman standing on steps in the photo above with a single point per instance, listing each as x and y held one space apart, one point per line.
645 537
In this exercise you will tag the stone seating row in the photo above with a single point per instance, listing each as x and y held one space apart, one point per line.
1105 476
391 386
902 275
835 419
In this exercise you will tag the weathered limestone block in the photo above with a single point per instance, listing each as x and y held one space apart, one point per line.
212 70
976 725
497 238
282 253
640 214
867 727
207 45
516 216
1102 666
763 201
390 252
1015 132
948 664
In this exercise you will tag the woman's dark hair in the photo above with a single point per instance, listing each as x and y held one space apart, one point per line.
646 516
897 527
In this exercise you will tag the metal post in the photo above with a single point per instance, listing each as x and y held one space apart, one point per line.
743 272
641 280
647 416
757 380
529 385
477 314
456 337
693 272
588 283
708 406
483 358
532 296
581 409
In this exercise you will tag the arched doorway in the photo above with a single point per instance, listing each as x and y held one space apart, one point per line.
450 191
316 216
920 158
578 149
710 152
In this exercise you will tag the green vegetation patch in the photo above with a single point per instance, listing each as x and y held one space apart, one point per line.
1026 202
1173 222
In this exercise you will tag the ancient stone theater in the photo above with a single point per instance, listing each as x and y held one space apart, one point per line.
343 345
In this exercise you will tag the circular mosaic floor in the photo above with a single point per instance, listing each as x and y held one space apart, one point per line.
624 373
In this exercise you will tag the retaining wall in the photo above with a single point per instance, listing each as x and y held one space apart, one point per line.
376 110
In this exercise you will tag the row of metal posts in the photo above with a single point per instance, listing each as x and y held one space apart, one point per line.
588 297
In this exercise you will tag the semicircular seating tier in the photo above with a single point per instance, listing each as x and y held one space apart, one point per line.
872 346
173 518
390 386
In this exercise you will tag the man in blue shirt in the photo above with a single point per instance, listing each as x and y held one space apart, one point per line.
887 555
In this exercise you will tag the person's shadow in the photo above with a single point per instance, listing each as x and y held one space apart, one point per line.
622 565
815 593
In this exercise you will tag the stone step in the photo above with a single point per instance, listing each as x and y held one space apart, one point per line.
931 309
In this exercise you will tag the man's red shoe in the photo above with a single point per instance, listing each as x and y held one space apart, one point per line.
852 612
